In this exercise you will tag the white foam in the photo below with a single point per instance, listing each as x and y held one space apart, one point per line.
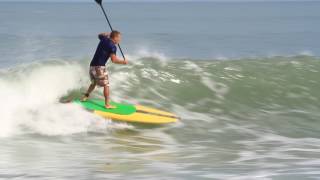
152 55
142 53
30 100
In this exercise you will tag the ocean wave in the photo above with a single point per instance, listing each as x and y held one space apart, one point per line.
31 92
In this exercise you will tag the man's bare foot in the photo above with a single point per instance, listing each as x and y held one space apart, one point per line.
110 106
85 97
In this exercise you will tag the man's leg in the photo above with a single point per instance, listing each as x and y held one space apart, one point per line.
106 93
91 88
89 91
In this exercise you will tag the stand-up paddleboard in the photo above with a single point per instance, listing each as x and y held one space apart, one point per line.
128 113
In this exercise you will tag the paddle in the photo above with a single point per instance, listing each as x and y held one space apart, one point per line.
99 2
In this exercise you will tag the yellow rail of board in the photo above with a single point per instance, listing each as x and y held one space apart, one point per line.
140 117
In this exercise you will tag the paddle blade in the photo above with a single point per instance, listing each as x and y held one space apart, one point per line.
98 2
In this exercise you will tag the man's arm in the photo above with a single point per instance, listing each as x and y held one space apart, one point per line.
104 34
116 60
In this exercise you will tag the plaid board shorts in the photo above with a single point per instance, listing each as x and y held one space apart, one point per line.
99 75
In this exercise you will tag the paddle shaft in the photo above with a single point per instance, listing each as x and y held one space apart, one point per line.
105 15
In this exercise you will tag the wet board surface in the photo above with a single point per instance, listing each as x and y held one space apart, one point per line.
128 113
99 105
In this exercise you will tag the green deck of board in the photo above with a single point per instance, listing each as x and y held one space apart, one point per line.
98 105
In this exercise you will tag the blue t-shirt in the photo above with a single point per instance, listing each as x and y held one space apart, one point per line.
105 48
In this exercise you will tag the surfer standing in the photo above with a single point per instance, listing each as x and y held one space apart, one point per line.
98 74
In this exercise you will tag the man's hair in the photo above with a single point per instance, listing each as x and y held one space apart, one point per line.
114 34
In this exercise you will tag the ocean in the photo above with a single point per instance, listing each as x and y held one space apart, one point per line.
243 77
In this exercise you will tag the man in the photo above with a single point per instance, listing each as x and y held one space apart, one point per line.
98 74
